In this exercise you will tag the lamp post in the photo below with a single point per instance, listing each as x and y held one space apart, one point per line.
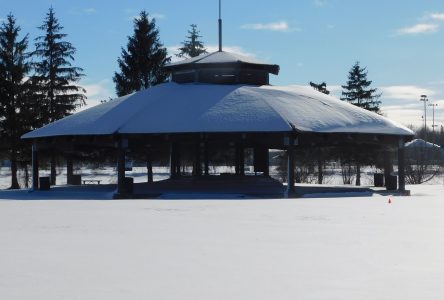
424 99
433 105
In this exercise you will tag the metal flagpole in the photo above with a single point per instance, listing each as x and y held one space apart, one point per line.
220 26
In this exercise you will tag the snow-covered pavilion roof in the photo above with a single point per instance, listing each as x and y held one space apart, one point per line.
222 58
420 143
197 107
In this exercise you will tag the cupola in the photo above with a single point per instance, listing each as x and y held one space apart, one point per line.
223 68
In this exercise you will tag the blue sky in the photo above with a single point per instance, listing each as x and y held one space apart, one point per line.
400 42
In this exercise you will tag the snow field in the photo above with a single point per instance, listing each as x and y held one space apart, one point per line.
331 248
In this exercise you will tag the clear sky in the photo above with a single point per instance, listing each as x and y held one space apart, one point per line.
401 42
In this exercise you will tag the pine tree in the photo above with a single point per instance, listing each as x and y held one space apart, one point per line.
357 90
193 46
55 73
321 87
14 114
141 63
55 76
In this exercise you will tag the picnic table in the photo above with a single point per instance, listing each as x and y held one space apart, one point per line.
91 181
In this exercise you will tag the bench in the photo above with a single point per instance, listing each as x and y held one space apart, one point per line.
91 181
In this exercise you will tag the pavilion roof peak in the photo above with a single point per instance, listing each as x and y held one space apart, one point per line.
222 59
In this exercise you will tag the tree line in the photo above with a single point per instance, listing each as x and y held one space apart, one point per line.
37 86
40 85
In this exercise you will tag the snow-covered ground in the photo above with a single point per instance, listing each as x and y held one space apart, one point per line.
317 248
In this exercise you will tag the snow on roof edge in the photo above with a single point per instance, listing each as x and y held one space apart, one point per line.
122 105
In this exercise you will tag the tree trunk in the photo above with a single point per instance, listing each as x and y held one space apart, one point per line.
14 182
25 168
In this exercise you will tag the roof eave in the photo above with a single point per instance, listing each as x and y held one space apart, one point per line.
273 69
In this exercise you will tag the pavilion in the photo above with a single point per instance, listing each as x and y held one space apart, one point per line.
220 101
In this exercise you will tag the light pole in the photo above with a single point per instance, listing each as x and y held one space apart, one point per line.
424 99
433 105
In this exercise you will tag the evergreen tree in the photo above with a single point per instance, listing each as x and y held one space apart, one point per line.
141 63
322 87
14 113
358 92
193 46
55 76
54 71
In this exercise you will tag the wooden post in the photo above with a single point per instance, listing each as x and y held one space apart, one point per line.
290 167
121 166
69 169
320 167
358 174
267 163
261 161
290 175
241 160
53 174
197 168
206 159
388 166
174 160
35 167
177 159
149 166
172 165
401 165
237 158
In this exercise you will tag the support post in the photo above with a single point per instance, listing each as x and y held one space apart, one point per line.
35 167
401 165
53 174
69 169
290 167
149 166
121 167
177 159
320 167
174 160
358 174
236 159
197 168
206 159
260 160
388 167
241 160
267 163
